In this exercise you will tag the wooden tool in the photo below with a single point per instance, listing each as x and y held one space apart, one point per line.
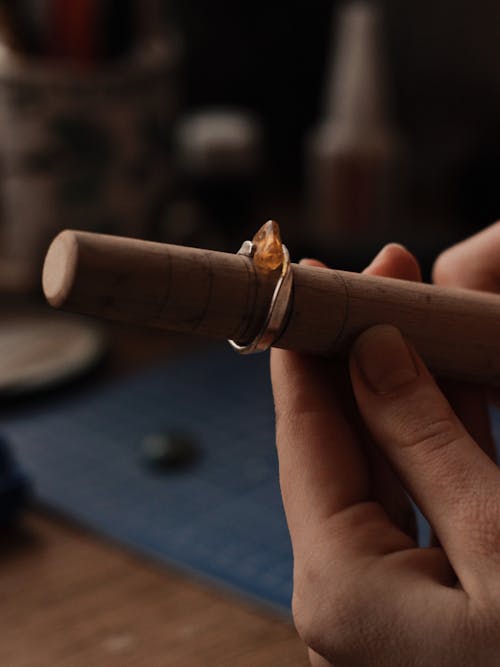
222 295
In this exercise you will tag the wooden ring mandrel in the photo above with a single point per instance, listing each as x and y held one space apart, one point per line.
221 295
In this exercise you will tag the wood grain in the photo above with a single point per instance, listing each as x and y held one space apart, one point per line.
72 600
196 291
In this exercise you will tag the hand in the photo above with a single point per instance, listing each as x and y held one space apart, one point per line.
474 264
364 592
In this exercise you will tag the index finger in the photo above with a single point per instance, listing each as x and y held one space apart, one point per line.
322 467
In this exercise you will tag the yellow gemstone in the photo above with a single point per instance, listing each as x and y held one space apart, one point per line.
268 255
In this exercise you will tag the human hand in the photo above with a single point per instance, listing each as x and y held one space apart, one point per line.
364 593
473 264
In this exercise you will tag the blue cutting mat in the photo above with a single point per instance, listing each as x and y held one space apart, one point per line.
222 518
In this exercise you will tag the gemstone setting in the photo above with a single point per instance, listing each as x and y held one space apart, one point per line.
268 253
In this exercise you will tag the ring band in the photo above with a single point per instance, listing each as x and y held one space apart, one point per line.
279 309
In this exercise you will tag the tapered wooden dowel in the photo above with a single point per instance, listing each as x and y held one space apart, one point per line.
221 295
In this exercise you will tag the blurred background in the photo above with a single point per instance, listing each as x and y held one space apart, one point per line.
350 123
436 76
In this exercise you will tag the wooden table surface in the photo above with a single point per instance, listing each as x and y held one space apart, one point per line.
71 599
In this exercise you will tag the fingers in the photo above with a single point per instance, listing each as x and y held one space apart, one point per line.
394 261
470 405
469 402
473 263
449 476
323 468
316 660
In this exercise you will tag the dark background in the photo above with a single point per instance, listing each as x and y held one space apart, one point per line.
444 81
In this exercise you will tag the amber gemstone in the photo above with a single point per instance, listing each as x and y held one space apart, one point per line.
268 255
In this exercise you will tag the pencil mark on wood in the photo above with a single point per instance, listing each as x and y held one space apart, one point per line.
333 348
210 274
241 332
168 283
456 331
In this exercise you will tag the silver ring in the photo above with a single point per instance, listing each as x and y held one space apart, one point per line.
279 308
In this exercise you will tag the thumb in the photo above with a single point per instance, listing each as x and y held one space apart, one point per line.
455 484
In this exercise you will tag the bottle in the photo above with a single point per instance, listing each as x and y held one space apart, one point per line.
352 154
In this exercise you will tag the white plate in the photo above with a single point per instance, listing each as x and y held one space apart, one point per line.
38 351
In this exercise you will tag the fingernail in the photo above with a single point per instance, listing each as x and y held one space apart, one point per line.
384 359
380 256
307 261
